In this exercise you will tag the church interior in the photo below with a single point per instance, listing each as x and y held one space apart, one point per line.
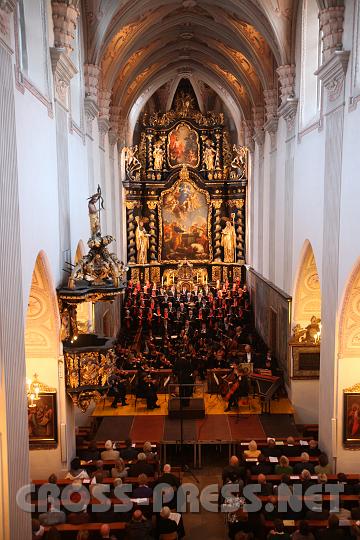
180 270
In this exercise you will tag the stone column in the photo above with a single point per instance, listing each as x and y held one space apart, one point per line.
259 138
103 120
65 16
14 440
332 74
217 229
246 136
288 111
91 80
153 230
271 125
114 177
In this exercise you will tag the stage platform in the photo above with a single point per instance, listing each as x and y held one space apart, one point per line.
214 429
214 405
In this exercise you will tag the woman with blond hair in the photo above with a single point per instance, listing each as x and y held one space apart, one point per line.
119 471
253 451
283 467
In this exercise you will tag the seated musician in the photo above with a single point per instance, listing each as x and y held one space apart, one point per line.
117 385
239 388
248 355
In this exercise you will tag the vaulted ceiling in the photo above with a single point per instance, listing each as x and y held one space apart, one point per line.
233 46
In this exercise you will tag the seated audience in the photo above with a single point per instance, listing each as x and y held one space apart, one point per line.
306 481
304 464
271 450
303 532
129 452
92 453
54 516
139 527
105 532
262 466
167 523
52 479
168 478
99 464
142 491
324 465
333 530
141 466
109 453
313 449
98 488
76 471
348 489
266 489
148 451
283 466
253 451
119 471
233 472
278 532
290 449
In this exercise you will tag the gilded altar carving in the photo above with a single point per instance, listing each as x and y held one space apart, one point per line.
155 274
239 162
216 273
310 334
132 162
99 265
142 241
152 205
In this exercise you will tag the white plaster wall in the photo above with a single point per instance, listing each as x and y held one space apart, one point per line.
79 191
266 207
305 394
280 209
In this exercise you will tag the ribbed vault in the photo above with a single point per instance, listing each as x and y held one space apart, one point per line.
234 47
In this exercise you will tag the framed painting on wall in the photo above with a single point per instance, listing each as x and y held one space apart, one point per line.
352 417
183 146
42 421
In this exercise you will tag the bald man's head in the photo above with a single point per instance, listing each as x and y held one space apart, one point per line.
137 515
261 479
234 461
105 530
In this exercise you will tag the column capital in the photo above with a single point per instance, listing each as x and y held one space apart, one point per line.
63 70
286 75
258 117
333 72
115 112
91 78
248 128
271 97
8 5
332 28
65 14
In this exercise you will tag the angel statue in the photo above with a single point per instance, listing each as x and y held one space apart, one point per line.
209 155
158 154
142 241
239 159
94 211
228 242
132 163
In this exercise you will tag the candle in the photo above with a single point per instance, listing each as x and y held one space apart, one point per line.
162 281
173 279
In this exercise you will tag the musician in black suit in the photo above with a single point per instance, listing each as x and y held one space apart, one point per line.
241 383
117 385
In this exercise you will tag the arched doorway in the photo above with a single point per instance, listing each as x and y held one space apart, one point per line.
348 366
306 304
42 350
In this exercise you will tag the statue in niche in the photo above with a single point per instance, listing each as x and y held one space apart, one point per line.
239 160
158 154
209 155
94 211
132 163
228 242
142 241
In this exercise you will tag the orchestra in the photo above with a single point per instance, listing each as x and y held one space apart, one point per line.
189 332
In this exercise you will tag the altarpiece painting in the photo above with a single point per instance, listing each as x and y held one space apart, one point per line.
184 213
183 146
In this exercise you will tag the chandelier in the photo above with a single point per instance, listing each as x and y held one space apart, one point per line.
32 391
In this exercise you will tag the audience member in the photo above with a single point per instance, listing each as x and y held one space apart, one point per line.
333 531
304 464
167 523
109 453
303 532
271 450
233 472
290 449
119 471
324 465
266 489
142 466
92 452
129 452
283 466
37 529
139 527
262 466
313 449
278 532
252 451
142 491
76 471
148 451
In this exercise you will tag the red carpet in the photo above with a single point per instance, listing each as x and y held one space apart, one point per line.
213 428
146 428
246 427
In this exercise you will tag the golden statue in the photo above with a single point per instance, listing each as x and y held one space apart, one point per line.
142 241
132 163
239 160
209 155
94 212
158 154
228 242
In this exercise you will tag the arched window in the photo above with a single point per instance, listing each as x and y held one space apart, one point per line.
33 43
310 90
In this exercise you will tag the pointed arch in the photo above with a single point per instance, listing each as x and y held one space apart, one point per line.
42 331
307 291
349 320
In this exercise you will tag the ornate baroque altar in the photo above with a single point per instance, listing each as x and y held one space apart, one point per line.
185 197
